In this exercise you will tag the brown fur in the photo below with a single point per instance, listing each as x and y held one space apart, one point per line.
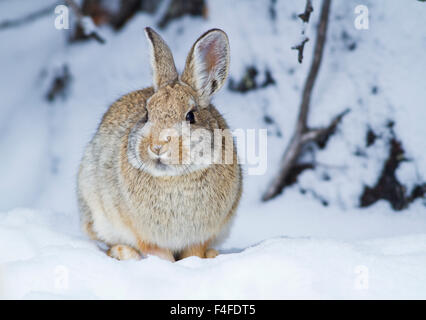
130 207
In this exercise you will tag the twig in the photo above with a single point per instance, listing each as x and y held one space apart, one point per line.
303 134
28 18
305 16
321 134
85 22
300 47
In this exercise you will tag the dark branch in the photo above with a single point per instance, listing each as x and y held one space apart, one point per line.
322 134
82 21
28 18
305 16
303 134
316 62
300 47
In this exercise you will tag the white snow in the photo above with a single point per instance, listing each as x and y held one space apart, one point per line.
45 256
291 247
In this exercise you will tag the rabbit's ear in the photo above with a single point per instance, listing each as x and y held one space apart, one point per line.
207 64
162 63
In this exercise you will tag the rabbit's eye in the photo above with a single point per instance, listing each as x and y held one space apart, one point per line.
190 117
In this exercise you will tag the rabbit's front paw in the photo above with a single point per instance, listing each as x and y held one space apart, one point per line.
211 253
123 252
199 250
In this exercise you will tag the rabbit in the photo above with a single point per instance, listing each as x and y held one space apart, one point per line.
130 197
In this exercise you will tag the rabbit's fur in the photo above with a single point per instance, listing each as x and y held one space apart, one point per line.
128 197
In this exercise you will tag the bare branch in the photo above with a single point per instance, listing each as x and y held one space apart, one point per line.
316 62
305 16
28 18
85 22
322 134
303 134
300 47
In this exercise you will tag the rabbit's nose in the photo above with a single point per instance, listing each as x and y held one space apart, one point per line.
157 149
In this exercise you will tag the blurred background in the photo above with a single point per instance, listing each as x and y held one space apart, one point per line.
347 202
56 84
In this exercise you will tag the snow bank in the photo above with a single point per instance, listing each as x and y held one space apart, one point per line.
45 256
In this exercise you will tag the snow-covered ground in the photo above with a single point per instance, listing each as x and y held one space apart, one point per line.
291 247
319 255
